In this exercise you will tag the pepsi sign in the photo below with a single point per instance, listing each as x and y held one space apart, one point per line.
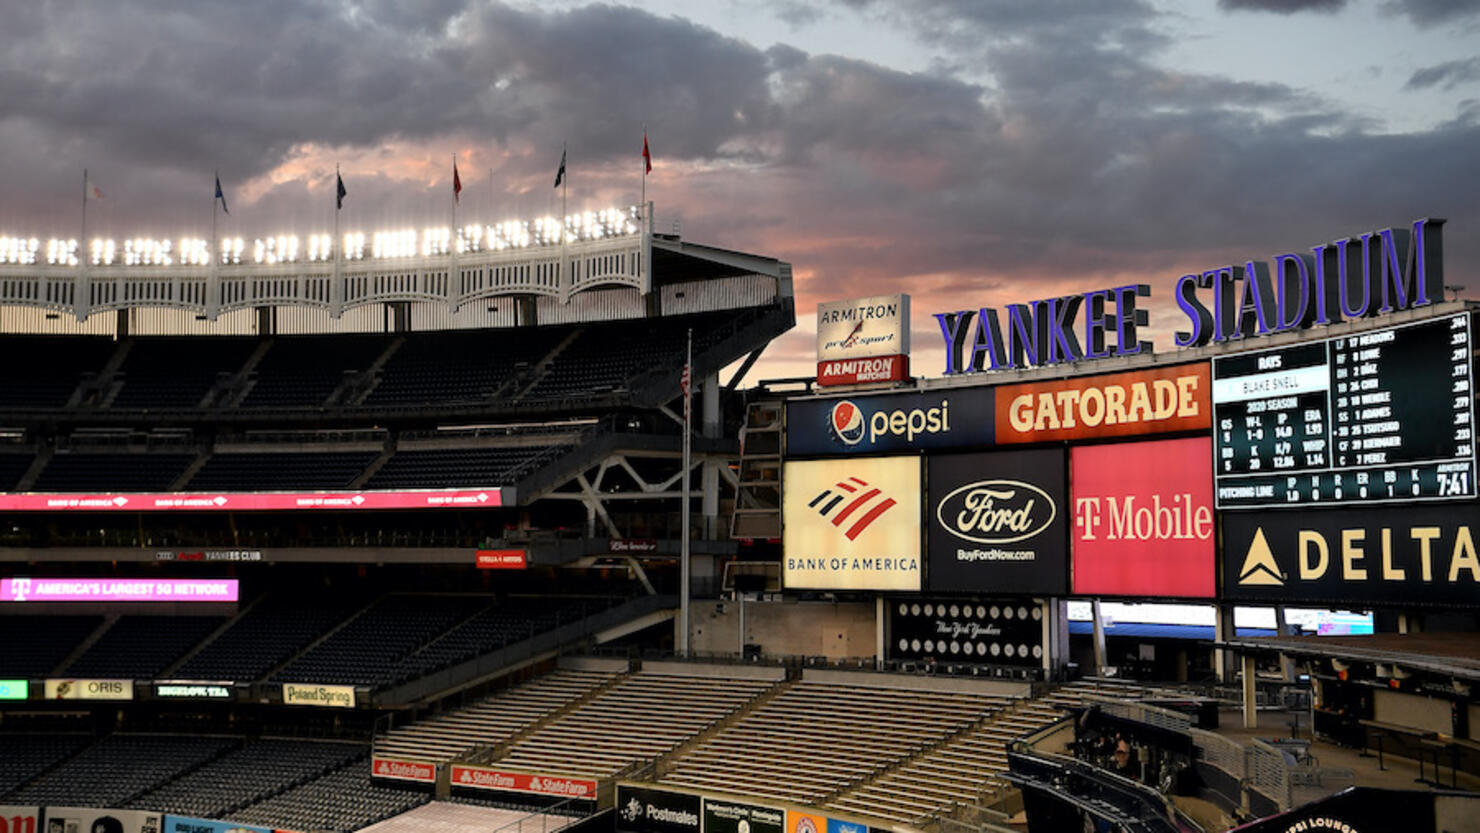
891 422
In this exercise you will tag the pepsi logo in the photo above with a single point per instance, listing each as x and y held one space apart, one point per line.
846 422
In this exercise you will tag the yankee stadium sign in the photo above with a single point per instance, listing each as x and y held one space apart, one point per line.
1373 273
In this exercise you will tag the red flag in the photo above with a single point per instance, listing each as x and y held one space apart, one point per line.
646 156
456 183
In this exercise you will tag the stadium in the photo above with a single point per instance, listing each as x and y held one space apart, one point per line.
388 530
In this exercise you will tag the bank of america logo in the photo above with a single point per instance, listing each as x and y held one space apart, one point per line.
848 497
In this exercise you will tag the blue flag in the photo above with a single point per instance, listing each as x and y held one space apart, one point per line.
339 196
220 196
560 174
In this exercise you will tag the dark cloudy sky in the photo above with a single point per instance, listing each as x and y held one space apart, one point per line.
969 152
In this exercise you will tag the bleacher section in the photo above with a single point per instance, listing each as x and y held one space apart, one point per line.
177 372
13 466
440 468
340 802
639 717
51 370
266 636
960 769
35 645
367 650
771 752
492 720
262 769
276 471
120 767
458 366
139 647
24 756
303 371
83 471
457 816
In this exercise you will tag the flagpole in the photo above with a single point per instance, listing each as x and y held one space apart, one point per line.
336 291
565 281
683 557
82 244
215 239
643 203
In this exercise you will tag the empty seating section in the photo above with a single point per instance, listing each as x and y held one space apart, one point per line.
13 466
265 636
463 815
491 629
642 716
246 776
35 645
492 720
448 468
458 366
340 802
365 651
303 371
76 471
773 751
177 372
51 370
142 646
24 756
119 767
960 769
247 472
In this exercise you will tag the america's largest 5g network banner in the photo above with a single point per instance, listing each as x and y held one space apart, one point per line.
1380 416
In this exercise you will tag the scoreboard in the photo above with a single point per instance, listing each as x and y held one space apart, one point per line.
1379 416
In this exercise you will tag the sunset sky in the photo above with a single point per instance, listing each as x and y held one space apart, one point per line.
968 152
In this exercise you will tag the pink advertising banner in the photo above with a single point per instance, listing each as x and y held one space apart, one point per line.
249 501
22 589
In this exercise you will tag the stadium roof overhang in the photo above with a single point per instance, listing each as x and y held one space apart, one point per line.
1455 655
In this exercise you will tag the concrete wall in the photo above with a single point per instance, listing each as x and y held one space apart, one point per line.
823 629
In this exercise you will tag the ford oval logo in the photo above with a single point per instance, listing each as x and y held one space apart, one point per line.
996 511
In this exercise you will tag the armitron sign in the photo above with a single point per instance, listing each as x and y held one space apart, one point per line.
863 340
1412 555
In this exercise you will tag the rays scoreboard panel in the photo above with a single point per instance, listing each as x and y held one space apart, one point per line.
1374 417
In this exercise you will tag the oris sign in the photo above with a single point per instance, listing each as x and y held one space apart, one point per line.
1143 519
997 522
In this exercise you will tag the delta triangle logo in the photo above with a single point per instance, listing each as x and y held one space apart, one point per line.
1260 568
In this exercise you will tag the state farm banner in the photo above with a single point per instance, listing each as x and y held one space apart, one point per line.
308 694
75 689
95 820
722 816
943 419
851 524
190 824
403 770
16 819
1155 401
1143 519
863 340
998 522
1424 554
535 783
988 631
651 810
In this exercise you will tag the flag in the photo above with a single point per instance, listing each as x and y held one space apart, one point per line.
456 183
683 381
93 192
340 193
560 174
220 196
647 157
683 385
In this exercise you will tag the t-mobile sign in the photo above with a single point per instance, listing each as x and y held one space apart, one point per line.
22 589
1143 518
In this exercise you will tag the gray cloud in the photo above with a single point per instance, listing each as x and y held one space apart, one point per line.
1282 6
1448 75
1433 12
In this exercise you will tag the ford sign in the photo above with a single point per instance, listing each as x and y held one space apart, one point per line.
996 511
